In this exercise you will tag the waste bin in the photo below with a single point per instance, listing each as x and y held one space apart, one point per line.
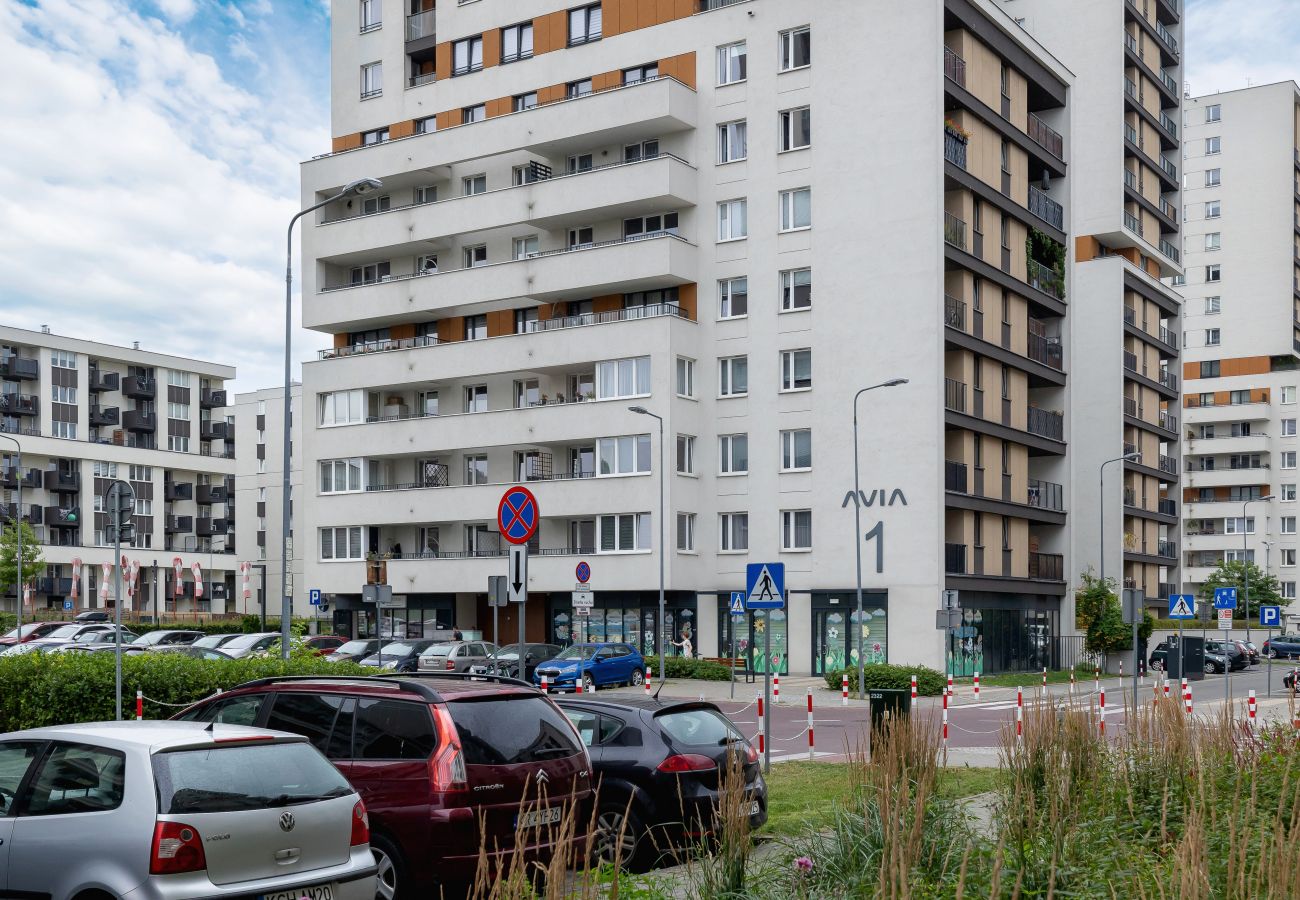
1192 658
888 701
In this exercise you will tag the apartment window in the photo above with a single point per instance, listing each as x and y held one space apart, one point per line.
646 225
796 370
619 378
1211 145
372 80
637 74
1213 177
340 543
66 430
732 224
63 359
1288 493
733 141
476 469
796 209
1213 305
474 184
1211 337
1180 280
340 475
426 125
643 150
1212 113
472 114
516 42
685 377
686 532
584 24
1288 395
476 398
138 473
1288 590
1238 525
624 533
733 532
1288 459
1288 524
1236 397
732 63
520 102
580 163
342 408
370 12
63 394
626 455
103 470
1288 427
733 452
733 298
377 136
1213 273
796 529
467 55
476 327
795 128
1212 209
1210 369
524 247
795 48
733 376
685 454
427 193
796 289
1213 240
475 256
796 450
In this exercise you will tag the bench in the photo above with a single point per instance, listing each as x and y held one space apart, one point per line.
739 663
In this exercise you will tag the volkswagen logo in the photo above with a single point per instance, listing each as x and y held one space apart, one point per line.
542 777
286 821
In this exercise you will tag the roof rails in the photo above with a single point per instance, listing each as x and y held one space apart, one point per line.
424 690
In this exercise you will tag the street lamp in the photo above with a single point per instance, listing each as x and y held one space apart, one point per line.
354 188
857 525
18 526
663 539
1101 503
1245 563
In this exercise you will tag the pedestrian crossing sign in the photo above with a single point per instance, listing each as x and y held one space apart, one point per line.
1182 606
737 603
765 586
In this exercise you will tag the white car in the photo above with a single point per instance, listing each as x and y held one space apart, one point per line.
250 644
172 810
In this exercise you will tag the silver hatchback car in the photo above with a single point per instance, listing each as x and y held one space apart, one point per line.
171 810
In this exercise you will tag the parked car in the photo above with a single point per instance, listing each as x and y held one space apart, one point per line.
443 762
1284 646
658 769
597 664
93 615
215 641
167 638
249 644
29 647
103 640
323 644
398 656
1289 679
505 660
222 812
193 652
32 631
355 650
75 632
1215 652
455 656
1248 648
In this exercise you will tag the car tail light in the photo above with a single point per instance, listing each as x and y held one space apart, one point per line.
176 848
451 664
751 755
687 762
360 825
447 765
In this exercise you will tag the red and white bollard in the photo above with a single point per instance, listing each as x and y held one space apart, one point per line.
577 683
949 682
139 704
1020 714
1142 671
914 688
1101 722
1044 681
1250 711
1187 698
1072 682
1096 679
760 723
945 722
776 687
844 689
546 688
647 681
1166 688
977 686
810 724
1121 669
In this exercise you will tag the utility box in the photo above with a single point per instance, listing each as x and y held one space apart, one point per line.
1191 659
888 702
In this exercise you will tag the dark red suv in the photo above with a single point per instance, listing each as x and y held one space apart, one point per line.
445 764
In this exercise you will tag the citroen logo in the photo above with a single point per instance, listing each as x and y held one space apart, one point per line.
286 821
542 777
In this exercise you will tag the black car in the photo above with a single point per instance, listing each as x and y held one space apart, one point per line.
1214 661
354 650
397 656
1288 679
666 758
92 615
1284 646
505 660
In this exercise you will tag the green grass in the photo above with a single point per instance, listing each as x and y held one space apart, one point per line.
800 794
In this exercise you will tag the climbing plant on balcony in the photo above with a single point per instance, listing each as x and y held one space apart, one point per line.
1050 254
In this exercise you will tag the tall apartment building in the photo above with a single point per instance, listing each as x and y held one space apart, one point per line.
1127 59
1242 329
625 203
86 413
259 492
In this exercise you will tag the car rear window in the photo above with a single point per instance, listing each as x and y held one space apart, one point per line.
438 650
503 731
244 776
354 647
699 727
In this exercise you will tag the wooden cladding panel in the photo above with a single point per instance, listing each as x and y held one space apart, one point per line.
442 59
687 296
606 80
401 129
341 340
347 142
491 47
498 107
501 322
551 32
681 67
1086 248
452 329
550 94
448 119
1245 365
607 303
402 332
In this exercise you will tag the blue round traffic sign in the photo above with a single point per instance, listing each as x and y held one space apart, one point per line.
583 571
518 515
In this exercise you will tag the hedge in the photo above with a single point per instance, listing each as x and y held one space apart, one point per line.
681 667
929 683
39 689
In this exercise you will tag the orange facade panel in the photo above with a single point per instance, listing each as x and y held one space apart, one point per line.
606 80
607 303
452 329
442 59
347 142
402 332
498 107
1086 248
448 119
401 129
681 67
551 94
491 47
340 341
550 32
687 299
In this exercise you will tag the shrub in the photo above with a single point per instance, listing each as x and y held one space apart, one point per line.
929 683
681 667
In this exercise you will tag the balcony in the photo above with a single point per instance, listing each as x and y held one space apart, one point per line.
1168 464
954 477
211 527
1047 566
101 416
32 515
1166 38
1167 549
1170 211
63 517
177 490
1046 495
954 395
954 148
57 587
1132 223
1167 507
954 312
19 405
1169 169
101 381
1168 124
421 25
17 368
1168 338
139 387
208 494
954 231
1169 379
1170 250
1047 350
954 67
137 421
1045 279
10 479
211 430
1168 421
178 524
1046 208
1045 423
1046 137
954 559
62 482
210 399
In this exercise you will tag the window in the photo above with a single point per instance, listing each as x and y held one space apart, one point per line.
733 298
1212 113
584 24
1211 337
1213 240
1288 427
1237 525
472 114
516 42
63 394
139 473
733 376
616 378
646 72
524 247
1288 459
624 533
796 450
733 454
342 408
65 430
103 470
475 256
1213 305
640 151
796 128
685 377
1211 146
1288 524
1213 273
686 532
580 163
796 209
476 469
520 102
1288 493
732 224
75 778
685 454
64 359
476 398
796 370
732 63
796 529
1288 558
426 194
580 238
627 455
1213 177
1288 395
372 80
647 225
1212 209
795 48
476 327
377 136
1210 369
733 141
796 289
1288 590
370 13
733 532
340 543
473 184
467 55
340 475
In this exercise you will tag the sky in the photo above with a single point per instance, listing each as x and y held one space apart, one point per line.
150 151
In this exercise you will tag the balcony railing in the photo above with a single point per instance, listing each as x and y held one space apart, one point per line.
1131 407
1046 495
1169 464
102 381
1130 361
1131 135
954 149
16 368
1046 423
1047 566
178 490
954 476
1045 136
1168 421
1168 168
210 399
1167 507
425 78
1168 209
1130 88
421 25
19 404
63 482
101 416
954 559
954 395
1170 250
1166 38
1130 316
954 312
1168 338
1132 223
139 387
1167 80
1169 379
954 67
1131 180
1131 42
1044 279
1167 549
954 231
1169 124
1046 208
1047 350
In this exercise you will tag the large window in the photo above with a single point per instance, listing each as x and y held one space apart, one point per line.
342 407
733 298
796 370
733 454
733 376
624 533
517 42
795 48
733 141
1213 177
1213 145
796 450
733 532
636 74
1213 209
340 475
796 128
732 220
66 359
626 455
686 532
476 113
796 289
476 469
467 55
370 15
372 80
584 24
796 209
340 543
685 454
617 378
796 529
685 377
732 63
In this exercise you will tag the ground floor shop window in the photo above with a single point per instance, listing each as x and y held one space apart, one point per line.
1003 640
630 623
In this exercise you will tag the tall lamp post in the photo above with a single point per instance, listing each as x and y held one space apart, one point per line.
1101 504
857 526
18 526
354 188
1245 563
663 540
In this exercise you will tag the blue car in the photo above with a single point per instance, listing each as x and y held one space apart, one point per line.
599 665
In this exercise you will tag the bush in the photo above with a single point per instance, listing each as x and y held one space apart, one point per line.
929 683
681 667
61 688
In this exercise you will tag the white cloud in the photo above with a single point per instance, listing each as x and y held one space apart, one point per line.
178 11
1231 44
143 196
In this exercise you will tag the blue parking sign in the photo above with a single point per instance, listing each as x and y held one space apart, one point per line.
313 597
1270 616
1225 598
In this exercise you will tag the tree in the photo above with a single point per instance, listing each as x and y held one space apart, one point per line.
1264 589
33 563
1098 611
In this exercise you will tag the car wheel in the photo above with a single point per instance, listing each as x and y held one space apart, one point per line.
638 677
1210 668
588 684
1272 654
391 877
1157 665
619 832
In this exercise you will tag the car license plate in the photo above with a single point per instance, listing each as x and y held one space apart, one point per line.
536 817
320 892
753 807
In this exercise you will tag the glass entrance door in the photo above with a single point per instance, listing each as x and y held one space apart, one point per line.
830 641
